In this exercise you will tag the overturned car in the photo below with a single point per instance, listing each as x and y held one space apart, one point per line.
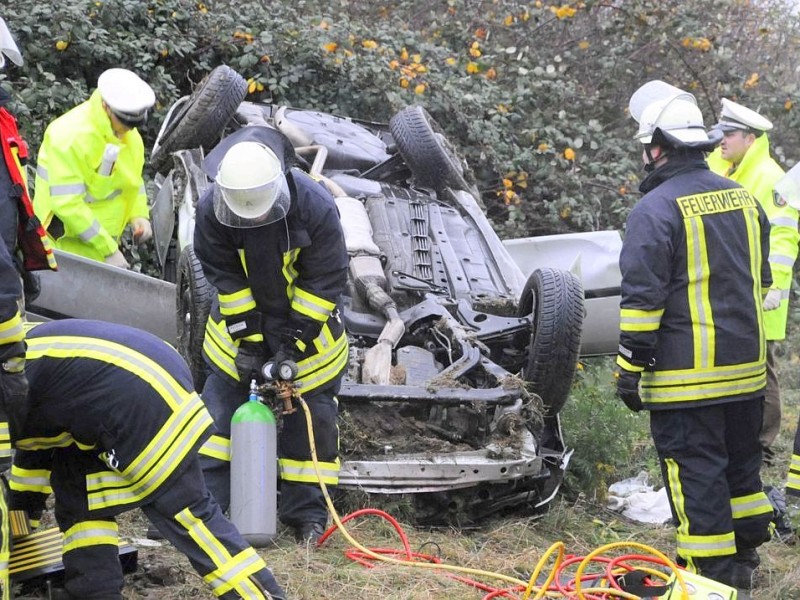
459 364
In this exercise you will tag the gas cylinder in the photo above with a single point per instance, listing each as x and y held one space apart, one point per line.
254 471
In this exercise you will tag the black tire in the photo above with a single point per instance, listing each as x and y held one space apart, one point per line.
199 123
432 159
555 299
193 296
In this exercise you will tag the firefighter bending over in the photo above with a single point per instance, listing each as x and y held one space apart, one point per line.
114 424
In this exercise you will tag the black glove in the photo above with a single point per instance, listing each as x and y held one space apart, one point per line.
249 360
628 388
32 285
14 397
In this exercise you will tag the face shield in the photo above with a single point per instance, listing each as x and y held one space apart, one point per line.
654 91
668 116
8 48
248 207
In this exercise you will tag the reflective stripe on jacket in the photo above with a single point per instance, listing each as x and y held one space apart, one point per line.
758 173
12 335
37 251
114 391
86 212
694 266
278 282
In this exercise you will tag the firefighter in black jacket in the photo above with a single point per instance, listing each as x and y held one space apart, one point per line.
20 231
270 241
114 424
694 271
13 387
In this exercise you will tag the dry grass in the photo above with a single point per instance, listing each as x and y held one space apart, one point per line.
511 546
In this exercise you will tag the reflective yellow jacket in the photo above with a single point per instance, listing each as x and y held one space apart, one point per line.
758 173
84 211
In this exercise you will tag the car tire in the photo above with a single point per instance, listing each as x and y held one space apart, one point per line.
554 298
432 159
200 122
193 296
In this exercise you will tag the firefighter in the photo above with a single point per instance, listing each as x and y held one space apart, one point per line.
744 157
270 241
692 343
23 246
13 387
114 424
89 184
21 232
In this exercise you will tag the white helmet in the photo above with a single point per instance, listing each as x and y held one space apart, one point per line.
677 116
8 48
251 188
659 106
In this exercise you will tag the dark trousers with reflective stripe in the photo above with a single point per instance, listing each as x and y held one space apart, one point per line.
299 502
709 455
771 424
93 572
793 481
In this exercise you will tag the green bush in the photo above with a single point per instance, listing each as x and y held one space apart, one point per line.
611 443
533 93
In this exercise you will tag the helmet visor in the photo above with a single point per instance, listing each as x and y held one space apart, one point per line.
8 47
252 207
654 91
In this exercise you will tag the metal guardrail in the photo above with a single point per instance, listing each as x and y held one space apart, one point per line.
87 289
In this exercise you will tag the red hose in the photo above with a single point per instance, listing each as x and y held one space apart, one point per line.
559 585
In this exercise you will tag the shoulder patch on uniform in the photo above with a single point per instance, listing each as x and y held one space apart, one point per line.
778 199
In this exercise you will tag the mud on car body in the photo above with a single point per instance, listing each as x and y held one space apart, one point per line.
459 364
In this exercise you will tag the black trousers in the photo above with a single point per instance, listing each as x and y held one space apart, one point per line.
710 458
793 479
301 500
184 512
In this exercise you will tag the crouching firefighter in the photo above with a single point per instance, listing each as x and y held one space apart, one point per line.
114 424
13 388
270 241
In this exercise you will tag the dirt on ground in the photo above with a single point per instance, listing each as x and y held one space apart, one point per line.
385 428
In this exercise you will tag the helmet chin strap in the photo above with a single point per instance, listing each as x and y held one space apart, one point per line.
650 166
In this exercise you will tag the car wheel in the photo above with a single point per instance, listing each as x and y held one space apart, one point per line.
201 120
555 300
193 303
433 160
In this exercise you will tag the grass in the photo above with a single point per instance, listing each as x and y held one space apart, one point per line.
610 444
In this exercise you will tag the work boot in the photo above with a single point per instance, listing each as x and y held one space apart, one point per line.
745 564
309 533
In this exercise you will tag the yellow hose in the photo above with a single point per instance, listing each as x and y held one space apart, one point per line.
541 591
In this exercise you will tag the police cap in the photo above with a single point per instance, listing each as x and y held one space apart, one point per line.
128 96
737 117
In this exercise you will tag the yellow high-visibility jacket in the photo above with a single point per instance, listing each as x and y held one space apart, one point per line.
84 211
758 173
